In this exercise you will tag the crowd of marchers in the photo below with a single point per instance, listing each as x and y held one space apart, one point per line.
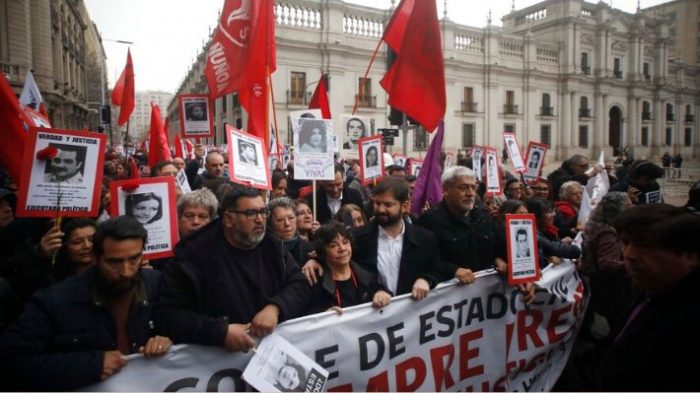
78 296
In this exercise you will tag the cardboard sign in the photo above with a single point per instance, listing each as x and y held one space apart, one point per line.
535 160
313 157
493 172
248 163
523 257
196 116
371 159
514 152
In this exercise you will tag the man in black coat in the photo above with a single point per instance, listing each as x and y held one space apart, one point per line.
76 333
332 195
573 168
229 279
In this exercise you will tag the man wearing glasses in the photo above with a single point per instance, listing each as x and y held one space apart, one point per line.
574 168
67 166
230 281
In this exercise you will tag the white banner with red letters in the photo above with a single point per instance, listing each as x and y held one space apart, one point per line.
478 337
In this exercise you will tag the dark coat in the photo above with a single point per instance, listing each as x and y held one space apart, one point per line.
323 212
419 255
192 168
198 297
324 294
560 176
59 340
464 242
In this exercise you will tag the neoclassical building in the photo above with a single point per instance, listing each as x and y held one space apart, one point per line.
581 77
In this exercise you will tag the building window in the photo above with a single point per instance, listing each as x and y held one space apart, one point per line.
585 66
420 139
688 115
647 71
584 110
296 92
669 136
617 68
510 108
670 116
546 109
646 110
546 134
468 135
688 137
364 88
583 136
645 136
509 128
468 105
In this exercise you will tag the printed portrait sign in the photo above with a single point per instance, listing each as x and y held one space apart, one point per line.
354 128
414 167
196 116
493 174
535 160
313 159
523 258
514 152
151 201
182 182
477 153
399 160
371 159
278 366
248 164
449 161
61 173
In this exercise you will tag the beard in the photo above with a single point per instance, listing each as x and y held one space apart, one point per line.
386 219
248 240
112 290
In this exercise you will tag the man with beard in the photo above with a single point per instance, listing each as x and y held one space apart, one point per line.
77 332
403 256
229 281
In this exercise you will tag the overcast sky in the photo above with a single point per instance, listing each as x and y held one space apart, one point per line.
168 34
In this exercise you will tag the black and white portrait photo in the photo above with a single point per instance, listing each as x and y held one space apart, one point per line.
195 116
195 111
523 258
312 136
355 128
371 157
146 208
534 160
522 243
247 153
67 166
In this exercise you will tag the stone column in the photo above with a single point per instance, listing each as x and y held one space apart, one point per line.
658 130
632 123
599 129
565 123
573 109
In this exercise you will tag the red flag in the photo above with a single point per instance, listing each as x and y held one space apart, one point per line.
123 93
178 147
416 81
133 168
158 148
320 98
241 57
189 147
12 131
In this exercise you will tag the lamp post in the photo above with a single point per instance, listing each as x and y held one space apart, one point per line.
102 89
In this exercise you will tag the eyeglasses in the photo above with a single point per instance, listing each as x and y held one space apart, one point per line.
252 214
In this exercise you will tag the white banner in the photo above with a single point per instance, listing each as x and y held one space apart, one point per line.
478 337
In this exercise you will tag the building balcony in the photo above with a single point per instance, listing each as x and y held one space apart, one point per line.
584 112
646 115
469 107
295 97
546 111
689 118
670 117
510 109
617 74
366 101
586 69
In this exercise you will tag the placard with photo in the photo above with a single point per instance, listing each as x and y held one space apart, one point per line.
449 161
514 152
196 116
399 160
313 158
61 173
477 153
414 167
294 116
151 201
523 257
493 173
354 129
535 160
248 164
371 159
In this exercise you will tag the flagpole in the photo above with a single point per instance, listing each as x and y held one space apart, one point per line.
364 79
313 188
274 115
126 139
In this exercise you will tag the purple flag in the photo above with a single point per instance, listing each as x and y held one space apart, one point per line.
428 188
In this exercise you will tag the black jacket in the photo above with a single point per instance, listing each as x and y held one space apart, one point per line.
59 340
323 212
468 242
560 176
198 292
324 294
419 256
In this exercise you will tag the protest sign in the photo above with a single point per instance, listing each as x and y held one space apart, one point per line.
151 201
355 128
61 174
414 166
371 159
514 152
196 116
182 182
523 257
248 164
313 159
535 160
493 173
477 154
399 160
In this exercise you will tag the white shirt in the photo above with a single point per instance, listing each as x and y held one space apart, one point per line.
334 204
389 257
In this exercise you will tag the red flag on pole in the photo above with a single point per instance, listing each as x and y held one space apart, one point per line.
178 147
416 81
320 98
12 132
123 93
241 57
158 147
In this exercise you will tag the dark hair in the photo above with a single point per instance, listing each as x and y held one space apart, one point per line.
338 168
230 201
694 195
347 125
118 228
395 168
660 226
509 206
520 231
277 176
307 128
645 168
376 153
190 107
344 215
72 224
326 234
396 186
134 199
155 169
538 207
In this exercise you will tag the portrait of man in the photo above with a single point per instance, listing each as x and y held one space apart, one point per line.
492 167
522 244
355 129
247 153
67 166
534 160
196 111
